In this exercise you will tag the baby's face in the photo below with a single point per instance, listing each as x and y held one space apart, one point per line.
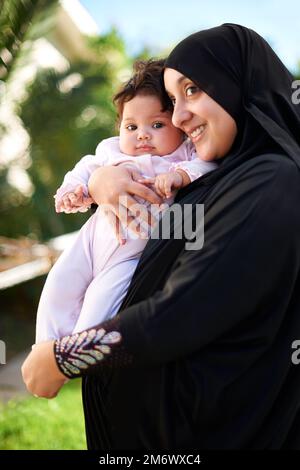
146 129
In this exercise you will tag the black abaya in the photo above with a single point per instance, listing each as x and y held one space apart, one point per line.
211 331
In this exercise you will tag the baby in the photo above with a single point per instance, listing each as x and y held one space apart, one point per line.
90 279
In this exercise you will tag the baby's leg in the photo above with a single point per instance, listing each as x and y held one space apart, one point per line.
64 290
105 294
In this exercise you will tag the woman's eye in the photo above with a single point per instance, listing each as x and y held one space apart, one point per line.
191 90
131 127
158 125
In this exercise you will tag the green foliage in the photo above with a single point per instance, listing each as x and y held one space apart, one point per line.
39 424
15 20
110 43
64 121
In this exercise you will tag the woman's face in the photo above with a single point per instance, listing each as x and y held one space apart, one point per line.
209 126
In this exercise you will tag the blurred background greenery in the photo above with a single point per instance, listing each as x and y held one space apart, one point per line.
33 424
57 78
44 424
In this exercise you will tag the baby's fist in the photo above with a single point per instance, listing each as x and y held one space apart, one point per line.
165 182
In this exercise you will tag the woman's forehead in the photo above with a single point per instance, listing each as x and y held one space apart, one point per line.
173 78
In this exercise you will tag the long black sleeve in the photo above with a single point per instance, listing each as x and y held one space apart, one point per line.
251 244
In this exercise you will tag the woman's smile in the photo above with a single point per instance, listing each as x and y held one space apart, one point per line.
197 133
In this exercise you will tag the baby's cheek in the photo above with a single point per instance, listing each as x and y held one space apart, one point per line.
127 146
122 143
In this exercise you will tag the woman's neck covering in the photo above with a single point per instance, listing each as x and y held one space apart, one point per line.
239 70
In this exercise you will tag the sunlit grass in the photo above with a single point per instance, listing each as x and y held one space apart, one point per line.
34 423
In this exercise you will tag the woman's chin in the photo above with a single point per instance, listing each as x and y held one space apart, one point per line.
205 153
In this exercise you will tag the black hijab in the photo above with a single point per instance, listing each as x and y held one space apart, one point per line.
239 70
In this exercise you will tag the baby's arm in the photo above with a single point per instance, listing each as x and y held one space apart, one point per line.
73 195
180 175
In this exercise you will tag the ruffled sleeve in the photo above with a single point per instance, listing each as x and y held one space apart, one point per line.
194 168
82 171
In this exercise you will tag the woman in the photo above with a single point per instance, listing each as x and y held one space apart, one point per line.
200 354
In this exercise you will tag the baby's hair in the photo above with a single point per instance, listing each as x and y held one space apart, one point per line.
147 80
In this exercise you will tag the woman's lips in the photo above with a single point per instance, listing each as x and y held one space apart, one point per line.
197 133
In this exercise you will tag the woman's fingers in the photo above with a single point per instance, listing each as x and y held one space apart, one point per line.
142 191
129 215
116 225
167 188
120 232
130 209
106 184
159 187
135 175
146 180
116 187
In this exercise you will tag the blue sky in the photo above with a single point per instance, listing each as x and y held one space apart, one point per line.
162 23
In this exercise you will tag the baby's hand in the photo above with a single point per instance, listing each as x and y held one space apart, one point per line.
75 201
165 182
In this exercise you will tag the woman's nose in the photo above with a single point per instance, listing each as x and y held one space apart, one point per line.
180 115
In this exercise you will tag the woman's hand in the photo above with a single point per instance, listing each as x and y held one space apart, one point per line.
115 187
40 372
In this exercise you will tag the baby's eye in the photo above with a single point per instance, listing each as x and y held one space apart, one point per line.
131 127
158 125
191 90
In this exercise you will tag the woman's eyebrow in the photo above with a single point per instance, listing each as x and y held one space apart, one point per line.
178 82
181 79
